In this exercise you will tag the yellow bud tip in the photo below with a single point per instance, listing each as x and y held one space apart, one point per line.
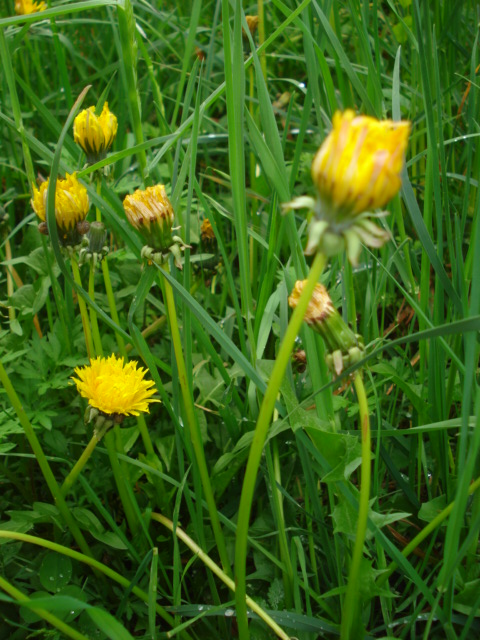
320 306
25 7
358 166
71 202
95 134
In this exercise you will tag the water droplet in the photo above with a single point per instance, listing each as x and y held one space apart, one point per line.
60 575
51 578
200 608
229 613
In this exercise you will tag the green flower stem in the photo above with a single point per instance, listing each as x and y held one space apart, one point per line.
192 424
96 566
57 294
42 613
120 480
108 283
351 604
83 309
425 532
112 306
261 429
98 213
81 462
214 568
43 463
97 341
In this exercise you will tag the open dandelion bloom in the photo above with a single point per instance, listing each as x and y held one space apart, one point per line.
115 388
356 170
151 212
71 207
95 134
25 7
344 347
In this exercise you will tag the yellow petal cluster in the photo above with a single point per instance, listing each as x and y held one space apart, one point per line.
71 202
25 7
320 306
113 387
358 166
150 207
95 134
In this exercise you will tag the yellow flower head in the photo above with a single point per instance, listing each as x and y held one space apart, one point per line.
71 205
25 7
358 166
357 169
115 388
320 306
95 134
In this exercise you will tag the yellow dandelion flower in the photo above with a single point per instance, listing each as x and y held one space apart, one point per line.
113 387
25 7
356 170
95 134
358 166
71 206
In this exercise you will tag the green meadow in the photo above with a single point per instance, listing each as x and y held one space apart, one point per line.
239 319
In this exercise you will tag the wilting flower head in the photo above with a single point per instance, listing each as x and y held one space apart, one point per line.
207 235
356 170
252 24
71 207
115 388
95 134
25 7
344 348
151 212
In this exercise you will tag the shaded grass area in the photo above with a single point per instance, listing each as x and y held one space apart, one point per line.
230 122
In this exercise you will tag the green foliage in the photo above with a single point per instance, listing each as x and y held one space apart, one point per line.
230 122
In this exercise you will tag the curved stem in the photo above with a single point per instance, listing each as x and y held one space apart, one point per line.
81 462
66 629
214 568
193 426
351 603
96 565
260 434
83 309
97 341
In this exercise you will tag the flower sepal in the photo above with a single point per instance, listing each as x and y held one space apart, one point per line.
93 248
102 422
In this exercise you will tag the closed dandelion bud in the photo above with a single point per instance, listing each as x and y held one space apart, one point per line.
95 134
344 347
94 247
25 7
151 213
356 170
252 23
71 208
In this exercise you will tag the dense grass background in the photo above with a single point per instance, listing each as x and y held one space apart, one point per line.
230 126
